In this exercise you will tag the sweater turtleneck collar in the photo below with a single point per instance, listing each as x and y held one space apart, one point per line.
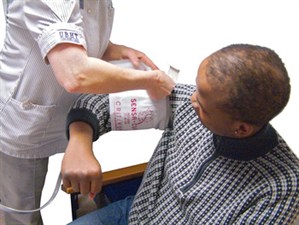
246 149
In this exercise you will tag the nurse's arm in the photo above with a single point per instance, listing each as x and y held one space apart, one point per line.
78 73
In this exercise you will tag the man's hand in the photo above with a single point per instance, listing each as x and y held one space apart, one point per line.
80 169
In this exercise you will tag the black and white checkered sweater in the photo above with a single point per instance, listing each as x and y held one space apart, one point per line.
197 177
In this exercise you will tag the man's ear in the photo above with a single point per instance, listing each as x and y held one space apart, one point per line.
243 130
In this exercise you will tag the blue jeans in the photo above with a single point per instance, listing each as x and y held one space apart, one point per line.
116 213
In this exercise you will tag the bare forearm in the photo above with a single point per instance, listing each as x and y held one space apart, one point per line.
80 169
100 77
78 73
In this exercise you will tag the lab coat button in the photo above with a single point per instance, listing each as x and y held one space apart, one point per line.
26 105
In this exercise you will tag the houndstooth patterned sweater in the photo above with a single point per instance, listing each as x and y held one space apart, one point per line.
197 177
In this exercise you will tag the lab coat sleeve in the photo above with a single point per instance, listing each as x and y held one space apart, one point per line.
53 22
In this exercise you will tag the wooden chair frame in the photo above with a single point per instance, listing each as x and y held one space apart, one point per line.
109 177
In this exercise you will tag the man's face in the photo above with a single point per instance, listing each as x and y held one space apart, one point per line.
204 100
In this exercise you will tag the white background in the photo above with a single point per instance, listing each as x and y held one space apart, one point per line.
182 33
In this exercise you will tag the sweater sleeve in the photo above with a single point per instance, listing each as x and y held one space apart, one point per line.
94 110
180 94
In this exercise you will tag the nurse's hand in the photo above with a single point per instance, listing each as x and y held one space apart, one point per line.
161 85
118 52
80 169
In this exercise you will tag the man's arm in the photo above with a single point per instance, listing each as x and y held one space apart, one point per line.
88 118
80 169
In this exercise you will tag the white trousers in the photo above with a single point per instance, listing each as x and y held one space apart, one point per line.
21 184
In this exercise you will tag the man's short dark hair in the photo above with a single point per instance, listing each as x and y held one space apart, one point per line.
253 79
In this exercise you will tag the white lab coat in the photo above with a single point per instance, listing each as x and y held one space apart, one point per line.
33 106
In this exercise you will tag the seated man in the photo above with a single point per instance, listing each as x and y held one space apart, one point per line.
219 161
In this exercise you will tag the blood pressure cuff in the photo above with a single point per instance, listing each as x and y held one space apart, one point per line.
128 110
133 110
